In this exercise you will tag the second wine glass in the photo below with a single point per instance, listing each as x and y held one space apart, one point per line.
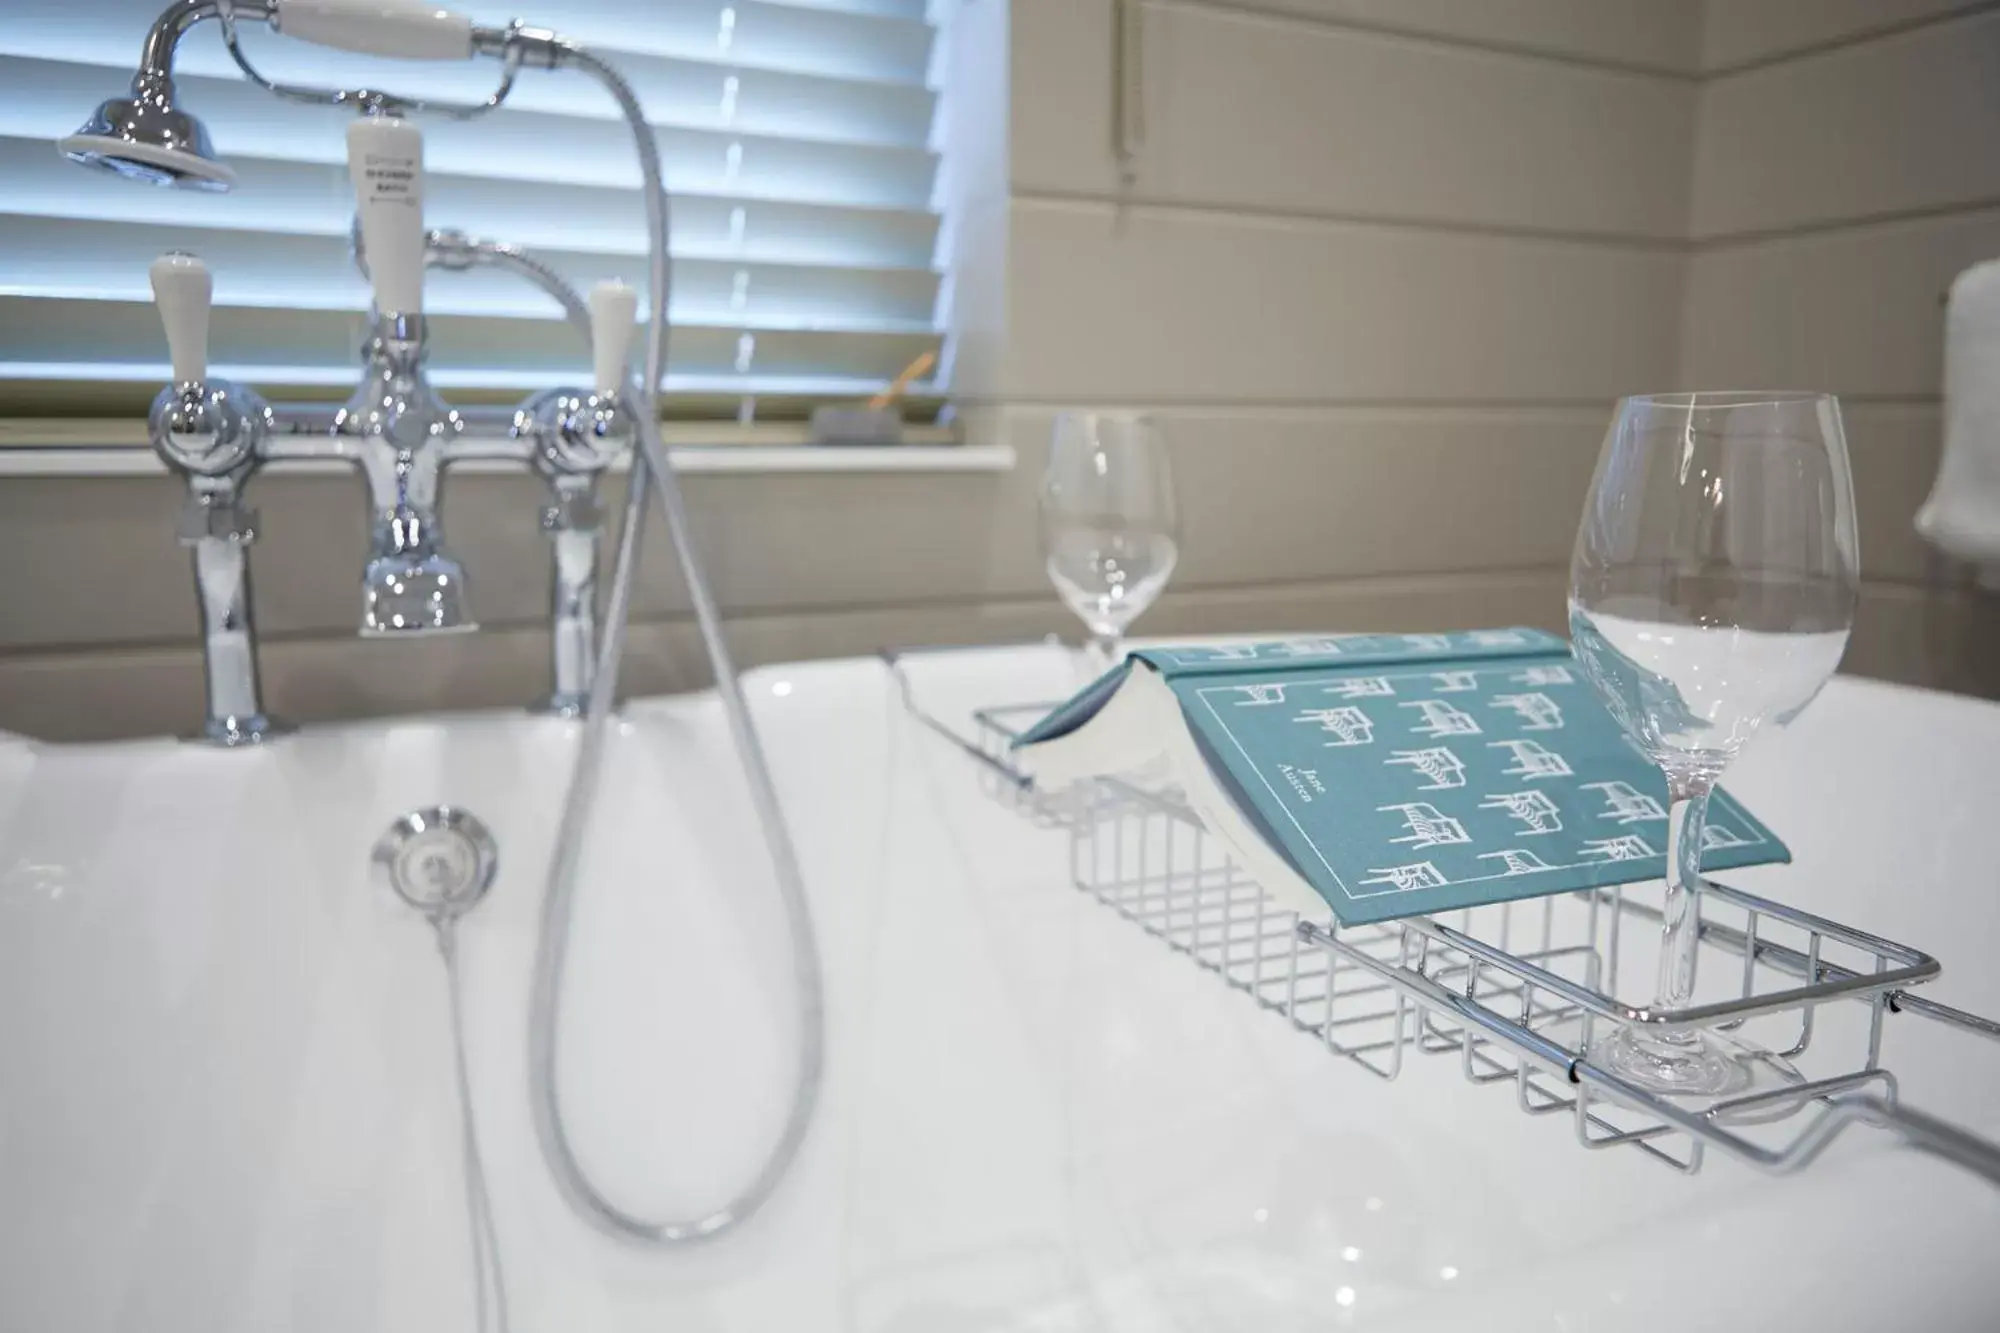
1110 525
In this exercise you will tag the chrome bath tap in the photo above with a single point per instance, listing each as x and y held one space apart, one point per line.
215 435
397 431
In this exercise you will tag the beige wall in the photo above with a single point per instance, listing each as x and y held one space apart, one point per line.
1383 267
1844 173
1381 261
1379 272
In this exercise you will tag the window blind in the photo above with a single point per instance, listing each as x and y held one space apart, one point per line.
796 139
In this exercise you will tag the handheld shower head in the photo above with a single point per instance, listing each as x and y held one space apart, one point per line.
146 137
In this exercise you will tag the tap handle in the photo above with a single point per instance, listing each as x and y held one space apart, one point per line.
182 288
385 158
614 307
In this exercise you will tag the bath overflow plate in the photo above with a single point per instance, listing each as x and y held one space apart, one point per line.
440 860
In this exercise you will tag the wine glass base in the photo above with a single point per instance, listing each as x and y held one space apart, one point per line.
1703 1069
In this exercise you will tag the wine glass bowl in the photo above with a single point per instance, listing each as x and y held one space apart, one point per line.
1712 589
1109 521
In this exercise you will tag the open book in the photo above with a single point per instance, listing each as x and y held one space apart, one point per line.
1390 775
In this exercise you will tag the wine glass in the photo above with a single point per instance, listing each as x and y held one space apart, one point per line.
1711 593
1109 524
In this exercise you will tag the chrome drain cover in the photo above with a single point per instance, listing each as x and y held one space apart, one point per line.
440 860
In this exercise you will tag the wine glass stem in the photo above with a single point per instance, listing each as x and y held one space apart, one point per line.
1107 650
1687 815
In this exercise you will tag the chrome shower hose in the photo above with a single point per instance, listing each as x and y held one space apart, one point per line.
653 470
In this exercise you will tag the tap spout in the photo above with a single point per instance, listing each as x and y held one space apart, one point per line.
400 432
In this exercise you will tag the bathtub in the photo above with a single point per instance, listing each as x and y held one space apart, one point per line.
227 1099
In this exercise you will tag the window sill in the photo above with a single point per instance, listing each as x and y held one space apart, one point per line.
116 449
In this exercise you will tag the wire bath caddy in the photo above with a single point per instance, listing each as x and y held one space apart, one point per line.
1515 992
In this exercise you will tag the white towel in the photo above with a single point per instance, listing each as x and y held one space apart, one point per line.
1962 517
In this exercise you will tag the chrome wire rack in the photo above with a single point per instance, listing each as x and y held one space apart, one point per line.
1517 992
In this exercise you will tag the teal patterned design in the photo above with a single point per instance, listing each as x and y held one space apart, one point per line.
1479 768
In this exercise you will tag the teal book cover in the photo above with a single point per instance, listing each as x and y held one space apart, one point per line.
1408 774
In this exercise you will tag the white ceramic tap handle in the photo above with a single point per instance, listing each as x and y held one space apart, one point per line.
385 159
614 307
183 290
404 29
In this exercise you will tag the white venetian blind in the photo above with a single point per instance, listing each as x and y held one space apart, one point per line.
797 146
